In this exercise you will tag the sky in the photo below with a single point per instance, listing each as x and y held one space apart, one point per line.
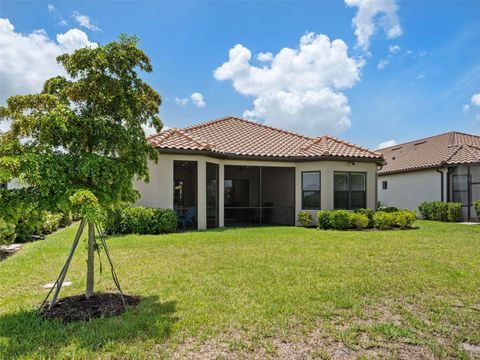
372 72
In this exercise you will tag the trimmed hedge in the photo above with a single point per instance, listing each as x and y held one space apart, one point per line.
140 220
476 204
364 219
440 211
304 218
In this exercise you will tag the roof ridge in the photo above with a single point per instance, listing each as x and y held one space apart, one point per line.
428 138
199 141
210 122
373 152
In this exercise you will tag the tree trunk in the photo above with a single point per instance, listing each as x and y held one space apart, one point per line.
90 260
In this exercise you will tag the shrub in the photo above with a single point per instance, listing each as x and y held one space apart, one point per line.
304 218
65 219
384 220
140 220
358 220
7 232
370 213
476 204
388 209
50 222
29 224
340 219
164 221
440 211
404 219
323 219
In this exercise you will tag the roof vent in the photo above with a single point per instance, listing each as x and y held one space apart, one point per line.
420 142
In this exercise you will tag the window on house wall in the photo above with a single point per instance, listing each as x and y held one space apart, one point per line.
350 190
460 188
384 185
311 190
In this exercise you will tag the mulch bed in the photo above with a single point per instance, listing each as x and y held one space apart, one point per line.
6 251
79 308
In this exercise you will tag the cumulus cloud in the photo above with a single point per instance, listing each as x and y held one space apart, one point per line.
374 14
382 63
386 144
28 60
85 21
265 56
476 99
51 8
300 89
56 14
197 99
465 108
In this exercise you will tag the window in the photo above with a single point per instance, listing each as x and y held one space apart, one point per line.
384 185
350 190
3 186
460 189
311 190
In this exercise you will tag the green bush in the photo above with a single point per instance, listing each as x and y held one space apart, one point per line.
304 218
7 232
384 220
164 221
370 213
454 211
140 220
29 224
50 223
65 219
340 219
404 219
388 209
358 220
440 211
476 204
323 220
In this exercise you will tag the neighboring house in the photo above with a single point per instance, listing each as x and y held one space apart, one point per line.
445 167
235 172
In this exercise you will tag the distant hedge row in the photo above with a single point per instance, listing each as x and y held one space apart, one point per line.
389 218
140 220
441 211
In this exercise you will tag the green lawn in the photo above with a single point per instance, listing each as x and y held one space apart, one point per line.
258 293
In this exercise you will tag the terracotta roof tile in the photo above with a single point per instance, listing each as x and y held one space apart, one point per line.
435 151
232 135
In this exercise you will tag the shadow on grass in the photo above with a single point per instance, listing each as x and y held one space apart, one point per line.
27 334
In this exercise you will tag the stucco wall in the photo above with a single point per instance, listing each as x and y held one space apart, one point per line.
159 191
407 190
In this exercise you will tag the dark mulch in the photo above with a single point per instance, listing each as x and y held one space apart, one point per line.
78 308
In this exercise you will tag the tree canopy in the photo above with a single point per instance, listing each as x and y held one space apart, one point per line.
81 137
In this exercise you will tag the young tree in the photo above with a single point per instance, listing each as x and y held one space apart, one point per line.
81 139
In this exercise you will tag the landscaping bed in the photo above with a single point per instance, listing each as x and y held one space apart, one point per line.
79 308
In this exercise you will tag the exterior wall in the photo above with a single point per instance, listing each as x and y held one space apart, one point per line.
407 190
159 191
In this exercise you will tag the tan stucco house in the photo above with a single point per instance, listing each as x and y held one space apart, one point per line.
236 172
444 167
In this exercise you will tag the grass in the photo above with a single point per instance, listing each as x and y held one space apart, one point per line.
259 292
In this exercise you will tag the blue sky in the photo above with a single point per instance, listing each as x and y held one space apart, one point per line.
415 77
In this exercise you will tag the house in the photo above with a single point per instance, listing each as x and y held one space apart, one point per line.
444 167
236 172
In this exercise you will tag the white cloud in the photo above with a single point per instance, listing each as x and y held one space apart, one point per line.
56 15
476 99
28 60
393 49
300 89
51 8
181 101
465 108
382 63
372 14
386 144
85 21
197 99
265 56
420 77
